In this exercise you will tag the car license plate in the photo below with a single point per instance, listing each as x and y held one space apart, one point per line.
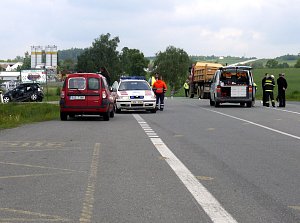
137 102
77 97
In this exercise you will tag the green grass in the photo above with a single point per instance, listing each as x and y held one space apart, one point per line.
16 114
292 76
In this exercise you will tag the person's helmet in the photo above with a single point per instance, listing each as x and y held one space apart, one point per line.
272 76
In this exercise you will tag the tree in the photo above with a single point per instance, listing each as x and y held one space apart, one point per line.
173 65
102 53
133 62
272 63
297 65
26 62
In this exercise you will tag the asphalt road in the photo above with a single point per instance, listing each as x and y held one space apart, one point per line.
189 163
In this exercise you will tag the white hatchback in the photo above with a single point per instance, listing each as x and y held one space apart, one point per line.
135 93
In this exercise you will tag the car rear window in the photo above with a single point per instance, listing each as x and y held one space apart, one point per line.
235 77
134 85
77 83
93 83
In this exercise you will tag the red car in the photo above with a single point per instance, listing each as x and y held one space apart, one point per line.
86 94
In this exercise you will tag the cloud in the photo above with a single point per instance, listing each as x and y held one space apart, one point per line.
261 28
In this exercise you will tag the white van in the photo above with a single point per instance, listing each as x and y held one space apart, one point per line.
233 84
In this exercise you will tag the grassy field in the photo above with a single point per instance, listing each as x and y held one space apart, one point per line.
292 76
16 114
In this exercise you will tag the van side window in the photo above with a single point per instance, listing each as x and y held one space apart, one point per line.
93 83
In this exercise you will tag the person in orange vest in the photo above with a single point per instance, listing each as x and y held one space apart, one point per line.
159 88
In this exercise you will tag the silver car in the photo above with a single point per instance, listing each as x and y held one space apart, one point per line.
233 85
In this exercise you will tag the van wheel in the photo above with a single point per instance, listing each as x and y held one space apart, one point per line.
63 116
106 116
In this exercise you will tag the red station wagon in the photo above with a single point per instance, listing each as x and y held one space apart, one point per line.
86 94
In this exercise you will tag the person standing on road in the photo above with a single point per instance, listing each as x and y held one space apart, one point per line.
282 86
269 87
159 88
263 89
186 88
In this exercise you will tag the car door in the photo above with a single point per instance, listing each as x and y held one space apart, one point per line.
94 92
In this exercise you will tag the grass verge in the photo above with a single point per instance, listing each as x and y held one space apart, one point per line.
16 114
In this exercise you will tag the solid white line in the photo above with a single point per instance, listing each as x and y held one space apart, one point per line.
204 198
253 123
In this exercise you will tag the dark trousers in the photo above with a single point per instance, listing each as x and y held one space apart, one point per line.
186 92
270 95
264 97
281 98
160 97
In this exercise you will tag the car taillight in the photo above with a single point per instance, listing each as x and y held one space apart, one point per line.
104 95
250 89
218 90
62 94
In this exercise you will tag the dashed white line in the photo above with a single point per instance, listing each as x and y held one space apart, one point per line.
204 198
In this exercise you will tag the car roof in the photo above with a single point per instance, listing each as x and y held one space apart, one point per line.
236 68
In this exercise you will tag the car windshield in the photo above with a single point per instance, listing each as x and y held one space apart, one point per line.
134 85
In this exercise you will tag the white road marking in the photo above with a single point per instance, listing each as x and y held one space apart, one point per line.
284 110
253 123
204 198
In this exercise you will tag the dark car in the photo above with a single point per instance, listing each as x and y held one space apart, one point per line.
86 94
24 92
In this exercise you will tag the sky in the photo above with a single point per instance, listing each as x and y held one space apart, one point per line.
242 28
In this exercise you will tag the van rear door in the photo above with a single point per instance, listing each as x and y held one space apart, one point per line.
94 92
76 92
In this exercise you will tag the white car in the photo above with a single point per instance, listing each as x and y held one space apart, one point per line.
135 93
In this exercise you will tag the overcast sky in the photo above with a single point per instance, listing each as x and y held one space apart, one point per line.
250 28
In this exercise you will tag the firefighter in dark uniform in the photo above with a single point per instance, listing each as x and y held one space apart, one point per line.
269 88
263 81
282 86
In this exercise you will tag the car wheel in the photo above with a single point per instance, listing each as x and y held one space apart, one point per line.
6 99
106 116
34 97
118 110
153 110
217 104
242 104
63 116
211 102
249 104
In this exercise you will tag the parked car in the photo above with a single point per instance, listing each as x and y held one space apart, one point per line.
86 94
233 84
135 93
24 92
